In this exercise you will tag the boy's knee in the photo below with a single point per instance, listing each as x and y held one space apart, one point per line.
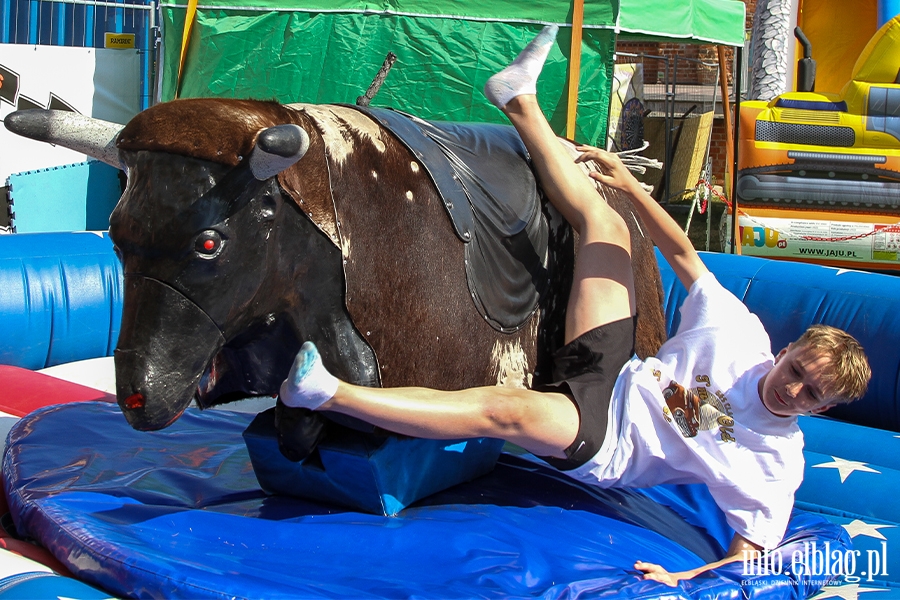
602 223
505 412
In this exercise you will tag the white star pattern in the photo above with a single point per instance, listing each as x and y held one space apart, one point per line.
845 467
858 527
849 591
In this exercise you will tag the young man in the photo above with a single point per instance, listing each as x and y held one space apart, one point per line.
714 406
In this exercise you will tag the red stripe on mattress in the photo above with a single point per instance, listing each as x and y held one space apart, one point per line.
22 391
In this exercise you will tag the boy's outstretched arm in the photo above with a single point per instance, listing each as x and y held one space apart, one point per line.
740 549
663 230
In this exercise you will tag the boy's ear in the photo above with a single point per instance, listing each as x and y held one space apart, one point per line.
822 409
782 353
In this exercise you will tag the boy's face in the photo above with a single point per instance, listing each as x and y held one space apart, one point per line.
794 386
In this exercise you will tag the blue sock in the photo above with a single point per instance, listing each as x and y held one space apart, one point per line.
308 384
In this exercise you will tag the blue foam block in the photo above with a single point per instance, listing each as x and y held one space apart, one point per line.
74 197
372 473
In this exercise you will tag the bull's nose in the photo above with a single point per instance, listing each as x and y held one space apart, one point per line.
145 406
151 395
142 420
134 401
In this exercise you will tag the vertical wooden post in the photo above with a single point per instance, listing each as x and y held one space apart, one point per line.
726 108
735 209
574 67
189 17
730 164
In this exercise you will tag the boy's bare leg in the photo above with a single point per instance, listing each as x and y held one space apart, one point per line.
542 423
603 285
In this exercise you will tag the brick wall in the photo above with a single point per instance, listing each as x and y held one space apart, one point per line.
690 72
717 151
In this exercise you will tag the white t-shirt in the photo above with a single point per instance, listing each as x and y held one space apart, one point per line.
693 414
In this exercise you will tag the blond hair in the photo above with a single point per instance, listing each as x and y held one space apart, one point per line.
848 374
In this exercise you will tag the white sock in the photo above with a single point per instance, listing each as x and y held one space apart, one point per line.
309 384
521 75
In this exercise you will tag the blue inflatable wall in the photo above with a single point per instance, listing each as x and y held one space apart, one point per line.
60 298
179 513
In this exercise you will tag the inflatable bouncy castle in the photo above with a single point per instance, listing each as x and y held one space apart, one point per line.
819 172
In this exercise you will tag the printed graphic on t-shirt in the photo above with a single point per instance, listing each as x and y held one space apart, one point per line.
682 406
697 409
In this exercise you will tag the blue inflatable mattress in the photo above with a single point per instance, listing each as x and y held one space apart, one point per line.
179 514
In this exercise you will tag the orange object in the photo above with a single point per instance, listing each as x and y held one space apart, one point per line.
574 67
819 172
189 17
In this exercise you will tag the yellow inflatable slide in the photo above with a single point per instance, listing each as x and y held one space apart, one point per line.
819 173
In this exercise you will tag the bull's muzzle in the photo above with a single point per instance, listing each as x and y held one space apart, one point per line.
165 344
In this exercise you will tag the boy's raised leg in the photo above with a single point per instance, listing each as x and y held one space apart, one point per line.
603 286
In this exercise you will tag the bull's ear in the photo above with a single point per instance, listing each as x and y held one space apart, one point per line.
276 149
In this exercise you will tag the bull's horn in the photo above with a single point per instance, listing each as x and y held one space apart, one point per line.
89 136
277 148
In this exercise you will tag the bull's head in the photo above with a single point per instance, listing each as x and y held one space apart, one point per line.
191 202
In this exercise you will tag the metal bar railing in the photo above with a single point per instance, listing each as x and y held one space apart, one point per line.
84 23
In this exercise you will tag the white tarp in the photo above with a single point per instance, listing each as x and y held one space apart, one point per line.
98 82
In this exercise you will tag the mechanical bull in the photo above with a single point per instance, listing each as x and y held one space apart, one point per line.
248 227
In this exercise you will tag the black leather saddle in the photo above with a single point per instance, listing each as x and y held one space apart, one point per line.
483 175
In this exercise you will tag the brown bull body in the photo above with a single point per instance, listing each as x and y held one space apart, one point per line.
350 247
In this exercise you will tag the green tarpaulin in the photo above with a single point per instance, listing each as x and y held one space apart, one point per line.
327 51
683 21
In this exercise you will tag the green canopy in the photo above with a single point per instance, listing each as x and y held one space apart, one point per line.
328 51
683 21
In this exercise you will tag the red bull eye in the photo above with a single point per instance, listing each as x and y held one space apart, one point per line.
208 244
134 401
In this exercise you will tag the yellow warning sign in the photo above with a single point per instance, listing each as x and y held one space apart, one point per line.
119 40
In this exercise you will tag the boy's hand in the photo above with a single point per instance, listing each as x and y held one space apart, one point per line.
658 573
662 229
612 171
736 552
